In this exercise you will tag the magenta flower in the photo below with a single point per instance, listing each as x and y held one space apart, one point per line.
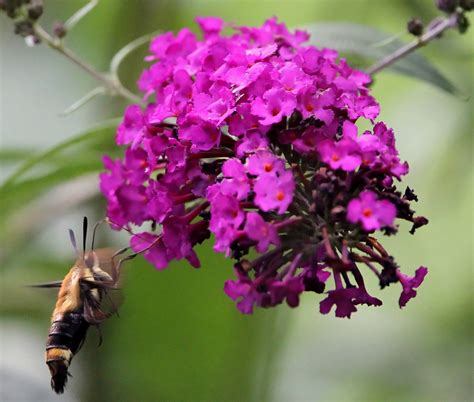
273 106
152 248
289 290
210 25
244 293
262 232
346 301
343 154
343 299
253 138
274 193
317 103
307 143
236 181
371 212
131 129
409 284
202 135
265 163
160 202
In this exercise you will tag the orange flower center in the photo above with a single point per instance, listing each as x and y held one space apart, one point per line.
335 157
367 212
280 195
268 167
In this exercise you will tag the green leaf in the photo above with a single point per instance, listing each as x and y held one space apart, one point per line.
95 136
365 42
13 155
72 158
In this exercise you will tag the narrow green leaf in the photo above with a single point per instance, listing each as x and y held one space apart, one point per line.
101 133
19 194
365 42
64 162
13 155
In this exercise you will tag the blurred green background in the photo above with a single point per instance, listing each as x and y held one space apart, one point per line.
179 338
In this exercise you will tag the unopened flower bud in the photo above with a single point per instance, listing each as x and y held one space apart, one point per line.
448 6
415 27
467 5
59 29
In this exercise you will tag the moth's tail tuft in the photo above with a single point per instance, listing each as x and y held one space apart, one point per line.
59 374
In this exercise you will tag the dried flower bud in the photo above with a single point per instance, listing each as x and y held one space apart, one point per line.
467 5
59 30
24 28
463 23
415 27
35 10
418 222
448 6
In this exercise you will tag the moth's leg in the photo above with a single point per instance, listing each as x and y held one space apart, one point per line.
114 306
99 332
127 258
115 269
93 316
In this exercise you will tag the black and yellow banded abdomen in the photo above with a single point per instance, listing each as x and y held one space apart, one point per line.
66 335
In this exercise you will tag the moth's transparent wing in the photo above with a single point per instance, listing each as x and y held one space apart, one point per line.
107 261
107 282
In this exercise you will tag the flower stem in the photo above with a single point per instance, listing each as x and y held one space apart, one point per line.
433 33
288 222
113 86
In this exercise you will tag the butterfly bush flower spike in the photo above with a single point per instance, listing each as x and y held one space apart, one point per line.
253 138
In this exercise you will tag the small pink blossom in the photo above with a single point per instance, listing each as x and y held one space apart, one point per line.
274 193
273 106
371 212
343 154
409 284
262 232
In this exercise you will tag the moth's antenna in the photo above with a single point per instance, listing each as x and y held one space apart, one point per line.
84 234
73 241
93 232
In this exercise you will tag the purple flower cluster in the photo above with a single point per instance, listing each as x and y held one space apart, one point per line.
252 138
